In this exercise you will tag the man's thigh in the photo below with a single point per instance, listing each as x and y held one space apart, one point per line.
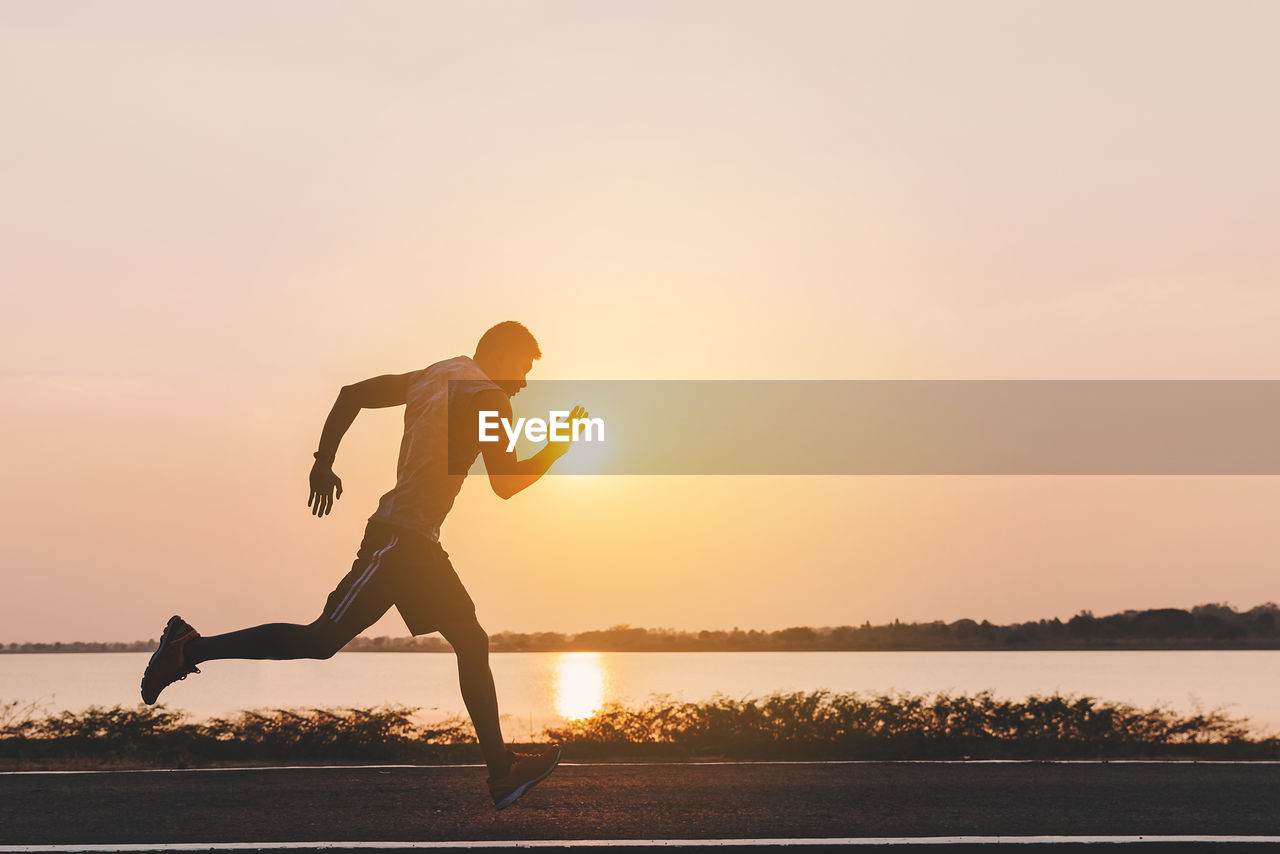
366 592
430 594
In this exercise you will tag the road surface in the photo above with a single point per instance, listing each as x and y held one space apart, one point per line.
688 801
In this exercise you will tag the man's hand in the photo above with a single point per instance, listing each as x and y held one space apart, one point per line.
323 484
559 449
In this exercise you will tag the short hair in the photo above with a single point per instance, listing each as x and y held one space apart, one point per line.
509 336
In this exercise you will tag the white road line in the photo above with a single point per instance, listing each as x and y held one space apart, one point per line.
692 763
637 843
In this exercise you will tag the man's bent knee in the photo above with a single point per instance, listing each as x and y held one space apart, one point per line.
325 638
468 639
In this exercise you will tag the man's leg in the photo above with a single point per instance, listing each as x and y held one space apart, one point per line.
319 639
471 645
359 600
434 599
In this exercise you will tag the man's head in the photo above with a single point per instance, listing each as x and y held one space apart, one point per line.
506 353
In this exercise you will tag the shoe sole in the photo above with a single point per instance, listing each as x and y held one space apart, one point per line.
515 795
164 641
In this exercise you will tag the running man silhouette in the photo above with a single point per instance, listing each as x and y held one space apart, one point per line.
400 561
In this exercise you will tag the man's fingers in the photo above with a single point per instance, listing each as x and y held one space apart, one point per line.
579 412
321 500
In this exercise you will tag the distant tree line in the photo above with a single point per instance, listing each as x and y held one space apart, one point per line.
1201 627
80 646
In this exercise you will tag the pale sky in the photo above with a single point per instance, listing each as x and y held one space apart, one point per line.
213 216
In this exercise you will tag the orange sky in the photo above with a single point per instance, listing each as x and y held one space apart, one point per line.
213 217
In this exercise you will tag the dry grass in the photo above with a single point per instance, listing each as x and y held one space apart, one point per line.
796 725
940 726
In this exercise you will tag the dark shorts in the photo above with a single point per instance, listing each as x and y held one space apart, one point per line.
402 568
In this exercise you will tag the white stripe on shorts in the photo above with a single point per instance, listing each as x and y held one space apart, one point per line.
361 581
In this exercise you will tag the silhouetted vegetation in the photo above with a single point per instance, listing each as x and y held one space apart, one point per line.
799 725
849 726
1202 627
152 735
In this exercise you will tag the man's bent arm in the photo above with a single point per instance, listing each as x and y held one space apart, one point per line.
508 475
519 474
374 393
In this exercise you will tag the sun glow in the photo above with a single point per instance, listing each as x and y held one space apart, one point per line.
579 685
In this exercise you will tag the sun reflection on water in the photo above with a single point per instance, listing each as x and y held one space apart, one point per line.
579 685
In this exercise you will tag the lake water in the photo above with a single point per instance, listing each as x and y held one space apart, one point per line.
540 689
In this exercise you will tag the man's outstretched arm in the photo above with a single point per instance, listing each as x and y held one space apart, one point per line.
375 393
508 475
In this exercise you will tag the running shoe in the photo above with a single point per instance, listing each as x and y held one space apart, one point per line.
166 665
527 770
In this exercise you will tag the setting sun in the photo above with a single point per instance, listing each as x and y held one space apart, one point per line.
579 685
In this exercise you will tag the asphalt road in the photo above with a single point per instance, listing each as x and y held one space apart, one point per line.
663 801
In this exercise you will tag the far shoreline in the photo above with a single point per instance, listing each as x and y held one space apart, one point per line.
1210 627
70 649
